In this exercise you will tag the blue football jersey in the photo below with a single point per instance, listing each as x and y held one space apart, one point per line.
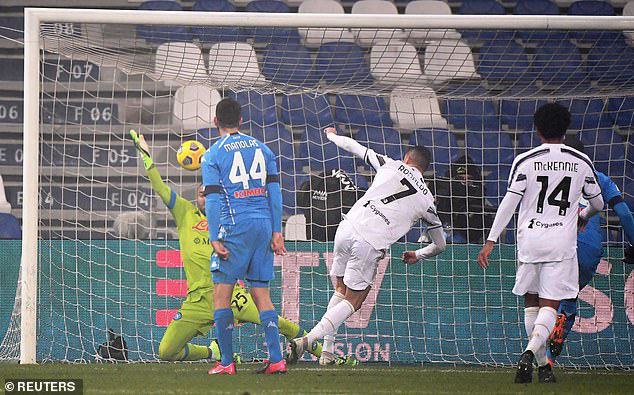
592 234
240 165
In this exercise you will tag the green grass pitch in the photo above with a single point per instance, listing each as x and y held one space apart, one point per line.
307 378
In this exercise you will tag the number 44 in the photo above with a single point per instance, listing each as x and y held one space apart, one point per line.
238 172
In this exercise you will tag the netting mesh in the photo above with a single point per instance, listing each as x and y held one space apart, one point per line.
468 96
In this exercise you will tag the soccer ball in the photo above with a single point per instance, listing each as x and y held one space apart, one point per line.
189 154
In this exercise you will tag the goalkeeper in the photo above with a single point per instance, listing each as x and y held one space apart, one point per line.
195 316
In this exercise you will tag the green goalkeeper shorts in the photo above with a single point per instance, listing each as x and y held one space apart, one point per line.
197 310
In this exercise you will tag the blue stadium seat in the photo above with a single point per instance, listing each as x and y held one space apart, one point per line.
265 35
11 69
526 142
207 136
385 141
503 61
362 110
322 154
628 193
490 149
280 141
342 62
495 185
216 34
302 109
256 108
586 113
621 109
442 144
611 63
606 149
594 8
288 64
290 183
517 114
9 227
159 34
484 7
12 27
538 7
557 63
472 114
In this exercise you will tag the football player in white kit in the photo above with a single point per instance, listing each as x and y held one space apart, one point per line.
397 199
549 181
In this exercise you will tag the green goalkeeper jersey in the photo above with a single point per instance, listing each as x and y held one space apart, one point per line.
193 234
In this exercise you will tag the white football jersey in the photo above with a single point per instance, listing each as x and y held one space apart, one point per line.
551 179
397 199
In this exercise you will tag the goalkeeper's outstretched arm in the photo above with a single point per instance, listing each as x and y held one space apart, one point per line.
169 197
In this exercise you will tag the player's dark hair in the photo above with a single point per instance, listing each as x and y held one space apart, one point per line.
574 142
552 120
420 156
228 113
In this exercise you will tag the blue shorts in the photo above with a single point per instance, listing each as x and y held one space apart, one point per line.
250 254
589 258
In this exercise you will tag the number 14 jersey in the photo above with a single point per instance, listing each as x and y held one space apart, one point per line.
551 179
397 199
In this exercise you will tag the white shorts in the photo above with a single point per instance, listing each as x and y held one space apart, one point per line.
354 259
549 280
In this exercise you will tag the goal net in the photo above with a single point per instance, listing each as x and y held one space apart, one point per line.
107 247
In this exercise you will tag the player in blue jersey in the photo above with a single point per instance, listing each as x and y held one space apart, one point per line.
589 252
244 214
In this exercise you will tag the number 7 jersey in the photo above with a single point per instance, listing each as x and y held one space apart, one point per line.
551 179
396 201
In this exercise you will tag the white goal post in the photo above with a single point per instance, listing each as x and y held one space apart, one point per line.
35 17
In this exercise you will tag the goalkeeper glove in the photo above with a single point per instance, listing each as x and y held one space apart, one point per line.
143 149
628 255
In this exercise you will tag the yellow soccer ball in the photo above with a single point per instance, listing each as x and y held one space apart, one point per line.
189 154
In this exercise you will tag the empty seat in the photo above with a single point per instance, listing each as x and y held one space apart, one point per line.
385 141
491 150
13 69
495 185
362 110
517 114
290 184
180 63
215 34
280 141
621 110
442 144
610 62
448 59
416 111
9 227
206 135
586 114
257 108
162 33
323 155
464 110
342 63
606 149
195 106
369 37
594 8
527 142
306 109
288 64
314 37
503 61
557 63
429 7
270 34
234 64
538 7
484 7
396 63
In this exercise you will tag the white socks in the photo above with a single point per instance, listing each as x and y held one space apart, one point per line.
329 323
530 315
543 326
329 339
